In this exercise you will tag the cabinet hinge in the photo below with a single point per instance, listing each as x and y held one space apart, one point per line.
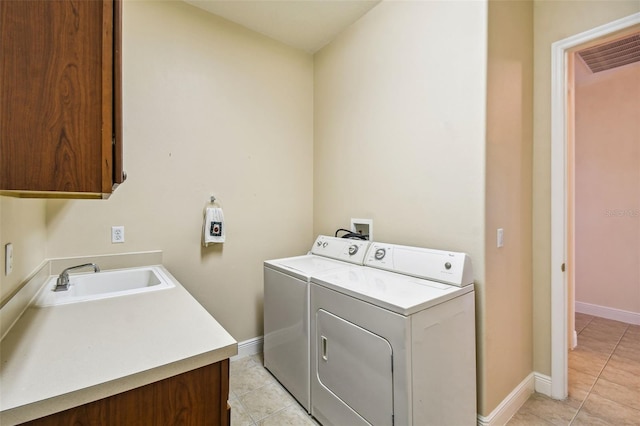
563 267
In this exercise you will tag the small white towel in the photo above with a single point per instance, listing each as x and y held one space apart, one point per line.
213 228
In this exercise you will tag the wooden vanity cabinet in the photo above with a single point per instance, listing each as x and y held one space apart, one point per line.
195 398
60 98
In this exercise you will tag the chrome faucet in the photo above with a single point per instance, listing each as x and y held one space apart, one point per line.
62 284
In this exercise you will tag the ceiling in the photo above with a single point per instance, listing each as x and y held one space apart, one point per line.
304 24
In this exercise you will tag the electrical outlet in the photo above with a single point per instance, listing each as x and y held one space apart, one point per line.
8 258
117 234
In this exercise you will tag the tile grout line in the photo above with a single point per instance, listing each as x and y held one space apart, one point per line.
599 373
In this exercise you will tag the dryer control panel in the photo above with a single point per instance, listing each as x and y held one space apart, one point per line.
444 266
347 250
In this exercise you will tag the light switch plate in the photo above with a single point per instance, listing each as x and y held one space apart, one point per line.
8 258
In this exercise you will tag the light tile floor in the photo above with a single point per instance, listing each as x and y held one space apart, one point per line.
604 385
604 379
257 399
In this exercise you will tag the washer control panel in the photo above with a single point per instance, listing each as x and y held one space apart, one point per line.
447 267
347 250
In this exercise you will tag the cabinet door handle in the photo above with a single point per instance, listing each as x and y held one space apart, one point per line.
324 348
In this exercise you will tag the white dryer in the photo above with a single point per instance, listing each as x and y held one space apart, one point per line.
393 343
286 309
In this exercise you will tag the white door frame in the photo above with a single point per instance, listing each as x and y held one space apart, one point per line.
559 193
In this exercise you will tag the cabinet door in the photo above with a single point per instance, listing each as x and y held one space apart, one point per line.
59 78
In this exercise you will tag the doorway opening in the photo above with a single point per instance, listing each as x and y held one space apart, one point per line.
562 234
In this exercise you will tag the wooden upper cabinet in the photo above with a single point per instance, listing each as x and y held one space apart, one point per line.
60 98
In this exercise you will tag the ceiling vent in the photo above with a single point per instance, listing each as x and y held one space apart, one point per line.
612 55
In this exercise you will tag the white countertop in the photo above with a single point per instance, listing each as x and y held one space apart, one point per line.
58 357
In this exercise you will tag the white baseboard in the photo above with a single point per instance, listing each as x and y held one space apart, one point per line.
542 384
249 347
511 404
609 313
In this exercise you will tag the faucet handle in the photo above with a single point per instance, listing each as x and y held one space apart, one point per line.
62 283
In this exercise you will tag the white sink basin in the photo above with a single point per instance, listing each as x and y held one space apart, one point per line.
105 284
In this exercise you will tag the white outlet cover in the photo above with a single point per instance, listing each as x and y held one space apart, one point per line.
117 234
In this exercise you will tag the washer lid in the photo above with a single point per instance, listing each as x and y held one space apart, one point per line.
305 266
398 293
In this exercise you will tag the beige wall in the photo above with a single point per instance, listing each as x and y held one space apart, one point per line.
22 223
399 126
608 188
508 344
400 138
209 108
553 21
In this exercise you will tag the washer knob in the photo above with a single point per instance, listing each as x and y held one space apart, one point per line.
353 250
447 266
319 243
325 244
380 253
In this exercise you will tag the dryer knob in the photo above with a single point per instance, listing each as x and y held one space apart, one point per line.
447 266
353 250
380 253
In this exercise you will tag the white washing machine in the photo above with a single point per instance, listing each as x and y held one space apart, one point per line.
286 309
393 343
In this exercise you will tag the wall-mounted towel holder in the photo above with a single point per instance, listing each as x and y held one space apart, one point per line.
213 228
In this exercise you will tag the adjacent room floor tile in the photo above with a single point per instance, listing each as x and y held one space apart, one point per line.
551 410
609 411
580 384
604 379
585 419
526 418
615 392
587 361
582 320
594 343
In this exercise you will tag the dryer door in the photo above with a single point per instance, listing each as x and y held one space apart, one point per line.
356 366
